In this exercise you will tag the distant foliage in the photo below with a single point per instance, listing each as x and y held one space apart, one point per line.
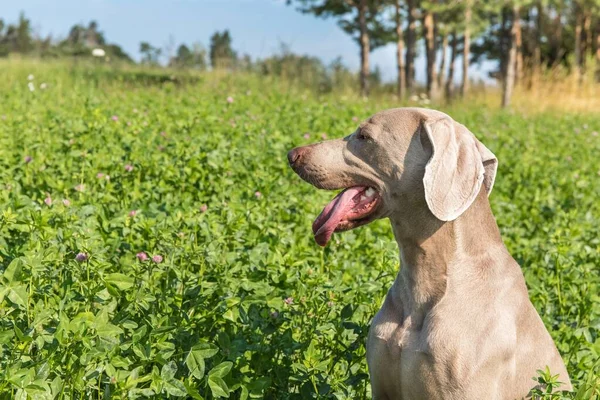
222 55
80 42
194 58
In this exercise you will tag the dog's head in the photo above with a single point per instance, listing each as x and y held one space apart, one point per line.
394 160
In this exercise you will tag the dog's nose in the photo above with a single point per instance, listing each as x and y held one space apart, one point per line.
294 155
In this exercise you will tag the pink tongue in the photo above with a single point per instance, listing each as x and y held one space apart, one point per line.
332 214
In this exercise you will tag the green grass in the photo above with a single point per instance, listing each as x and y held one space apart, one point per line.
210 320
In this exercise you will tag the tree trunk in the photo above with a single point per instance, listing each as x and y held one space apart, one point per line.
504 41
586 41
441 75
429 27
364 48
519 45
598 55
577 50
537 51
411 39
450 80
587 31
400 53
467 45
509 79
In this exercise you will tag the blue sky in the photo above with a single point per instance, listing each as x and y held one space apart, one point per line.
257 27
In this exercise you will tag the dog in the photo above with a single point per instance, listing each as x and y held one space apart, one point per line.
457 323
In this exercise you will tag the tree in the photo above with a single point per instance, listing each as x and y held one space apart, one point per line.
362 19
222 55
453 53
189 58
464 88
430 52
150 54
411 43
23 35
511 64
400 51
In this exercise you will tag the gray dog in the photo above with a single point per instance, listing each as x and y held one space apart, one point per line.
457 323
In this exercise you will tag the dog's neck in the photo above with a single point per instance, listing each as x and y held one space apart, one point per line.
433 252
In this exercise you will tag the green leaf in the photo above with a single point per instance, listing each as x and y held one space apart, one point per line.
109 331
243 393
168 371
221 370
218 386
175 388
18 295
12 273
206 350
121 281
195 363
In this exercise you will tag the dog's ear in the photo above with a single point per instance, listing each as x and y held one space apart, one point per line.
458 166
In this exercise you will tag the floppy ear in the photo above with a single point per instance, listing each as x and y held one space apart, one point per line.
458 166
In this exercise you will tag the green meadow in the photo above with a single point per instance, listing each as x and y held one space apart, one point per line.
154 242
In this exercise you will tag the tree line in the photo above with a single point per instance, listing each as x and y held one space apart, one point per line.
19 38
524 37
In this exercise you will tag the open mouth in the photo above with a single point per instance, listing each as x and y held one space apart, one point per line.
354 206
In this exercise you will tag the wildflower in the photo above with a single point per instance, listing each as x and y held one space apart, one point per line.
80 187
48 200
306 136
43 86
128 123
163 134
31 86
132 213
99 175
203 208
594 133
330 304
569 158
230 99
28 159
289 301
114 118
258 194
66 202
157 259
3 116
98 52
323 136
142 256
354 119
30 77
128 167
135 110
81 257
